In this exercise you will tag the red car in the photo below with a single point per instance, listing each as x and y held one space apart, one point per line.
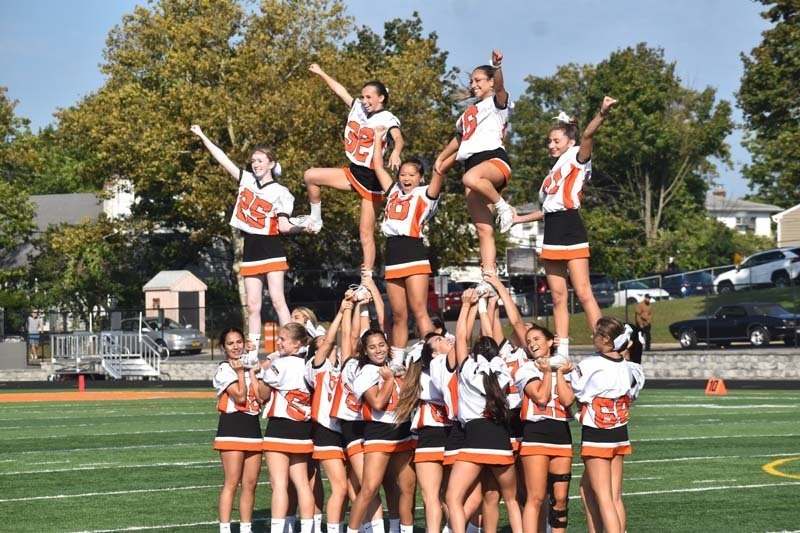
446 305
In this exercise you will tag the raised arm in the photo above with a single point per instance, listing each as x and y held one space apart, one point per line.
514 318
217 152
500 93
347 329
335 86
394 157
384 178
585 152
329 342
369 283
447 156
466 321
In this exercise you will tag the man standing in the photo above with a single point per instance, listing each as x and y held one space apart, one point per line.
644 316
35 328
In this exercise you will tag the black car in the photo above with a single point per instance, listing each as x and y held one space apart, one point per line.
758 323
685 284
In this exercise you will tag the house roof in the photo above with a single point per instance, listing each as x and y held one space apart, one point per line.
786 212
721 204
174 280
65 208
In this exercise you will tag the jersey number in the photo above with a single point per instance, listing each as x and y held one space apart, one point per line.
252 210
297 404
398 209
609 412
469 123
358 141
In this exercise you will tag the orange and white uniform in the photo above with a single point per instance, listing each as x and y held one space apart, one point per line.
327 431
482 127
289 428
605 388
403 225
238 427
382 431
256 215
545 429
563 186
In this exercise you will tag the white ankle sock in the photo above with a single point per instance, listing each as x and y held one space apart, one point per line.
316 211
245 527
563 347
332 528
377 526
224 527
500 204
276 525
318 523
306 525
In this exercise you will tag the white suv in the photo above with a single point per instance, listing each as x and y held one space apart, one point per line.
777 267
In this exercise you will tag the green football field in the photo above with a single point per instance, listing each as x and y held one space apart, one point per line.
700 463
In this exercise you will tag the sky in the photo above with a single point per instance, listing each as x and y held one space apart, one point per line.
50 49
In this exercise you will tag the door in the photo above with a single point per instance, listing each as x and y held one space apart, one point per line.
189 308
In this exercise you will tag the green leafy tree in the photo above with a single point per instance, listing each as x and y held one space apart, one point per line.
770 100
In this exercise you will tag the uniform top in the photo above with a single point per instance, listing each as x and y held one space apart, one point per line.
258 206
471 392
445 380
482 127
406 214
513 358
530 411
291 397
346 406
367 377
323 380
605 388
562 188
432 410
224 377
359 133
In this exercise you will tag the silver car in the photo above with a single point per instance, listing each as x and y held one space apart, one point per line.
168 333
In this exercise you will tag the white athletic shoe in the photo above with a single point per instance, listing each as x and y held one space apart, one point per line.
306 221
398 370
250 359
557 361
361 293
484 288
505 218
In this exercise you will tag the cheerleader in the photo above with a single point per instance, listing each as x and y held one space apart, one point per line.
479 143
238 433
388 443
262 211
604 386
322 372
366 113
546 449
409 205
287 439
431 421
483 378
565 250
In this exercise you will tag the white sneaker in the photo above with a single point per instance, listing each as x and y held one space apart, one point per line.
484 288
557 361
505 218
250 359
306 221
361 293
398 370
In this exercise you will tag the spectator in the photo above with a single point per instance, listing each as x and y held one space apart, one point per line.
644 317
35 328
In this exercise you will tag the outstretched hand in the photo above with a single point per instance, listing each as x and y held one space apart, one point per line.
196 130
497 58
316 69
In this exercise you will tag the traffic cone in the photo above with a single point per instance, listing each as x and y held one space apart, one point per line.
716 387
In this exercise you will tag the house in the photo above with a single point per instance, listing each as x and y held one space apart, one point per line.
788 224
742 215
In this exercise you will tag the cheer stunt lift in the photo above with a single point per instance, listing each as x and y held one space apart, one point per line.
367 112
479 144
261 214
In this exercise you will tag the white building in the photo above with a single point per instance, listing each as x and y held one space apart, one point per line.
742 215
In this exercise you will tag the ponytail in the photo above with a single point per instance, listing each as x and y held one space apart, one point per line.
496 406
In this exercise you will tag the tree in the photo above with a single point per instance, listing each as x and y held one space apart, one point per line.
651 158
770 100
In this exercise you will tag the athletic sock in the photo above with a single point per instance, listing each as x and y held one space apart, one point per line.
377 526
406 529
316 211
446 529
306 525
333 528
398 356
563 347
255 338
276 525
224 527
318 523
245 527
500 204
394 525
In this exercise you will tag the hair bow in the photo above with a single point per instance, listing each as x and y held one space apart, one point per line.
622 340
313 331
415 353
277 170
563 117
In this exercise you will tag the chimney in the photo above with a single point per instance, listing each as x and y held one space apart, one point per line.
719 192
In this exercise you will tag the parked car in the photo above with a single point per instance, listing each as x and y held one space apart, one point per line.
757 323
175 337
322 292
603 289
449 304
532 294
687 284
777 267
632 292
